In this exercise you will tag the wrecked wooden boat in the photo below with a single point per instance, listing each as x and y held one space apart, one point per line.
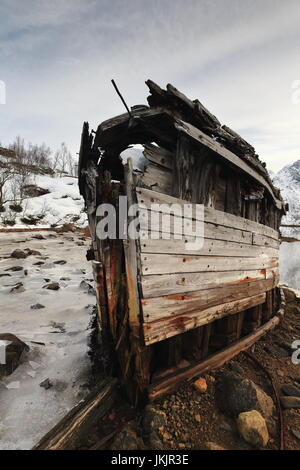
167 313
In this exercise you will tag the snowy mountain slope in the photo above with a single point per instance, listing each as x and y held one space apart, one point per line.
288 181
63 204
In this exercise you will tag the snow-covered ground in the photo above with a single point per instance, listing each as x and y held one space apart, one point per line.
28 411
63 203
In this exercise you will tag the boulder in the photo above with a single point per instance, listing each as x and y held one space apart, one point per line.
18 254
235 394
127 439
14 349
253 428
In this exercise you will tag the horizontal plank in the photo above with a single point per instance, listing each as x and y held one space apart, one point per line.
146 198
159 156
160 178
216 360
209 247
260 240
161 307
171 264
227 155
156 222
175 325
167 284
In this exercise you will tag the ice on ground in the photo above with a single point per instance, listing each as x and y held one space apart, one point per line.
27 410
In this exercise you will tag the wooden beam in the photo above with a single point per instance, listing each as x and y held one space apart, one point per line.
216 360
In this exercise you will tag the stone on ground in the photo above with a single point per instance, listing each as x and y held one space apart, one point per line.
201 385
253 428
235 394
14 349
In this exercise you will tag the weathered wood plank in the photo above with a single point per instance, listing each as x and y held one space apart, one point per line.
168 284
159 155
171 264
146 198
226 154
158 178
156 222
209 247
177 304
174 325
171 382
131 260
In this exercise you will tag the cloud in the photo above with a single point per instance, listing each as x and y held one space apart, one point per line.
239 57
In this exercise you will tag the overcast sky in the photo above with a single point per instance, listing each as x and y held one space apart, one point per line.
239 57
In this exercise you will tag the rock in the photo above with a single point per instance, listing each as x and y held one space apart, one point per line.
198 418
14 268
18 254
290 402
291 390
280 373
212 446
88 287
201 385
14 351
32 190
127 439
3 275
60 261
37 306
296 433
38 236
235 395
253 428
18 288
38 263
32 252
154 421
46 384
52 286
